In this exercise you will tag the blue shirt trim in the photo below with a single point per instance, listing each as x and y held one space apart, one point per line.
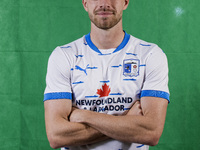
121 46
57 95
91 45
154 93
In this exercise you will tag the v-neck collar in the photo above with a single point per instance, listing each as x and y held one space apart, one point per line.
120 47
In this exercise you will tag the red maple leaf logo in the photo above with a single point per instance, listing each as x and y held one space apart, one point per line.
105 91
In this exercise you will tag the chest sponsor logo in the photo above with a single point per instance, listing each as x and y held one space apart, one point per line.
131 67
105 100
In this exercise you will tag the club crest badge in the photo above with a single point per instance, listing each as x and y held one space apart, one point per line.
131 67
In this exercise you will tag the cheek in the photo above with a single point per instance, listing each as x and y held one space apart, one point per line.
90 10
91 6
120 11
90 16
90 13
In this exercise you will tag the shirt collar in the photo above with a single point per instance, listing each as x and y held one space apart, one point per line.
120 47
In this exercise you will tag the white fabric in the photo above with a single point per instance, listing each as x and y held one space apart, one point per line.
108 82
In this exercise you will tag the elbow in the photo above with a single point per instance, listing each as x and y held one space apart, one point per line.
56 141
53 142
150 139
153 142
154 139
53 145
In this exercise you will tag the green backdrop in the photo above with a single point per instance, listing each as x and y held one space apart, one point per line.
31 29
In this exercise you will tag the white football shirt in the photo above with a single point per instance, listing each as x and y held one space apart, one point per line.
107 81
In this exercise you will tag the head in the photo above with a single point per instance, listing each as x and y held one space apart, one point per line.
105 14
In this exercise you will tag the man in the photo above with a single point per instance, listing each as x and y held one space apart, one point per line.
107 90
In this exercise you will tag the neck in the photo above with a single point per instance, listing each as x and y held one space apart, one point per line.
106 39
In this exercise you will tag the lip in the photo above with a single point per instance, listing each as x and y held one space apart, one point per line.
104 13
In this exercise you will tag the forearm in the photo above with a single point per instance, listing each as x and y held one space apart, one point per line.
61 132
132 129
64 133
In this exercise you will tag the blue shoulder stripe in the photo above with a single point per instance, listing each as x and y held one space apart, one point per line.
154 93
57 95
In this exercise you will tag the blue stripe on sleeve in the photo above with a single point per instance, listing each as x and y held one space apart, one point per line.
154 93
57 95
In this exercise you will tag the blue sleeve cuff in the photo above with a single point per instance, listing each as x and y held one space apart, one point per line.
57 95
154 93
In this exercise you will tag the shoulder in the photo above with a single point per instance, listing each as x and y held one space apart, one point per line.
73 46
145 48
69 50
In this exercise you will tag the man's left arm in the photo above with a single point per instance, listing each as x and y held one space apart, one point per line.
144 129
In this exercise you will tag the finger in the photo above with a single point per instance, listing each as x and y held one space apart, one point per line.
140 107
141 113
137 102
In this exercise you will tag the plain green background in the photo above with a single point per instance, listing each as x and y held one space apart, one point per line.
31 29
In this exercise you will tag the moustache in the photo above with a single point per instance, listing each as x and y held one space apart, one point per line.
104 10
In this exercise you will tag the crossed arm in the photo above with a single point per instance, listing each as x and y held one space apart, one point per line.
143 123
61 132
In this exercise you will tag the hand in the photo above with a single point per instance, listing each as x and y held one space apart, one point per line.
76 115
135 109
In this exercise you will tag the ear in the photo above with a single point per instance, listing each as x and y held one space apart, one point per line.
84 2
126 2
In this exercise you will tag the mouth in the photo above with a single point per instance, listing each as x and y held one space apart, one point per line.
104 12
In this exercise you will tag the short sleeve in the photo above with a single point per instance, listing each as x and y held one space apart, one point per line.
156 75
58 76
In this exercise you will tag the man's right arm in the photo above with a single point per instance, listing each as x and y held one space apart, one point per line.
61 132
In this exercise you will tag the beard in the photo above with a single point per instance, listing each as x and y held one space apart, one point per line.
105 23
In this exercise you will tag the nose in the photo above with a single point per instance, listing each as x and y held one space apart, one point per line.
104 4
